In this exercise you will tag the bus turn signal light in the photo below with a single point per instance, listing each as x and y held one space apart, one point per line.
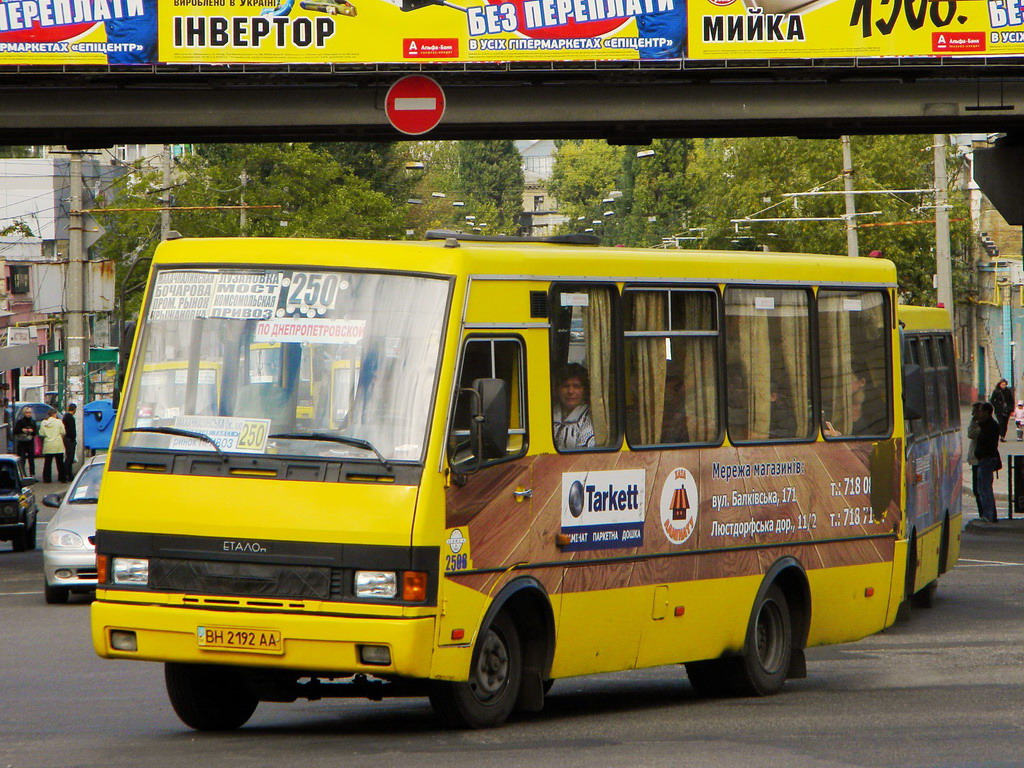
101 569
458 634
869 592
680 610
414 586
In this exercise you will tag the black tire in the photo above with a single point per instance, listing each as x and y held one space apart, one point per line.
944 547
30 536
56 595
764 665
209 698
711 679
19 541
925 598
489 697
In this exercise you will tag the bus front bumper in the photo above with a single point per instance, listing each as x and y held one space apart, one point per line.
322 644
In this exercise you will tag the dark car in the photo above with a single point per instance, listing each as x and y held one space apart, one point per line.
18 509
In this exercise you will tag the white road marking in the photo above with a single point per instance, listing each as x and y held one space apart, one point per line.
10 594
984 563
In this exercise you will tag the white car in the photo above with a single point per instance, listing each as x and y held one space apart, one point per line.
69 545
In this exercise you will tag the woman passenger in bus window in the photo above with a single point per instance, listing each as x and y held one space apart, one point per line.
573 425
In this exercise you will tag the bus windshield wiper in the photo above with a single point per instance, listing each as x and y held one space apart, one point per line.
344 440
181 433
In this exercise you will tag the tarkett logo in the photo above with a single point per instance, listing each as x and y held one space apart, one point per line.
958 42
430 47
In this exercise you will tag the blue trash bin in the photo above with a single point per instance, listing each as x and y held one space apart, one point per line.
98 425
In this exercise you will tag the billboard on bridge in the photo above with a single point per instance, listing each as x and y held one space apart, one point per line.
91 32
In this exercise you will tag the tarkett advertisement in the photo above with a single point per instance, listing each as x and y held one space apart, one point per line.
449 31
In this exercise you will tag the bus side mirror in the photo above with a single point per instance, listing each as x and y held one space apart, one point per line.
489 428
913 392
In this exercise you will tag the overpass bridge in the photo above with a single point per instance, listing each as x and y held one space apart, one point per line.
622 101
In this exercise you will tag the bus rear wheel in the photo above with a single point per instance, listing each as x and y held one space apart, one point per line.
762 668
209 698
489 696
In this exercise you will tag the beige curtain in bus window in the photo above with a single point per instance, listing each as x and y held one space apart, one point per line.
699 366
597 323
793 339
649 363
749 362
836 367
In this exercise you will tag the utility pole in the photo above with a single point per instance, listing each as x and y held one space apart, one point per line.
852 248
165 214
76 342
943 266
243 219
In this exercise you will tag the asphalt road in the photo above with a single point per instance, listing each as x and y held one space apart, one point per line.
945 688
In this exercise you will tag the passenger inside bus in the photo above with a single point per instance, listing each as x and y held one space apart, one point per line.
573 426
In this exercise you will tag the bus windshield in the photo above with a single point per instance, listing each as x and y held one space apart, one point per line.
286 362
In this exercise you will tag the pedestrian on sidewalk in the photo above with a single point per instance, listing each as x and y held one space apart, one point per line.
986 451
1002 403
1018 419
52 432
973 428
70 444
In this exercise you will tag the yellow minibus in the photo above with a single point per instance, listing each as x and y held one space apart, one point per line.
544 459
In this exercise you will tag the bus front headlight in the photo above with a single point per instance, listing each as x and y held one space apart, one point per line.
133 571
376 584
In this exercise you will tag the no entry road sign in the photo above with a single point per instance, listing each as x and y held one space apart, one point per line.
414 104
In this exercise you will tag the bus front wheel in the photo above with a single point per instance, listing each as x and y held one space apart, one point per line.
209 698
489 696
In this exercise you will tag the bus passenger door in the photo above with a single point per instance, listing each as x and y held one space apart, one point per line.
489 500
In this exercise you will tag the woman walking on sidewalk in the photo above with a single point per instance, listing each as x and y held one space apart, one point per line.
1002 404
986 451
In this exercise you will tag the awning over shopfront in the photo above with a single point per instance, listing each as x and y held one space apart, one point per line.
18 356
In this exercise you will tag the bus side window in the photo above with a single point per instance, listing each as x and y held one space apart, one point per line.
949 382
933 405
671 366
910 346
584 401
768 364
853 346
489 358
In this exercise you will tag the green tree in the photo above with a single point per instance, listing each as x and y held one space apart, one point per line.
750 178
491 178
318 197
584 173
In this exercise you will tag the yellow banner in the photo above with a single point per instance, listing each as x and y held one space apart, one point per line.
450 31
787 29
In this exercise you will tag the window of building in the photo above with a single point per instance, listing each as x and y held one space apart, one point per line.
853 349
490 358
671 364
538 202
20 279
768 364
583 367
